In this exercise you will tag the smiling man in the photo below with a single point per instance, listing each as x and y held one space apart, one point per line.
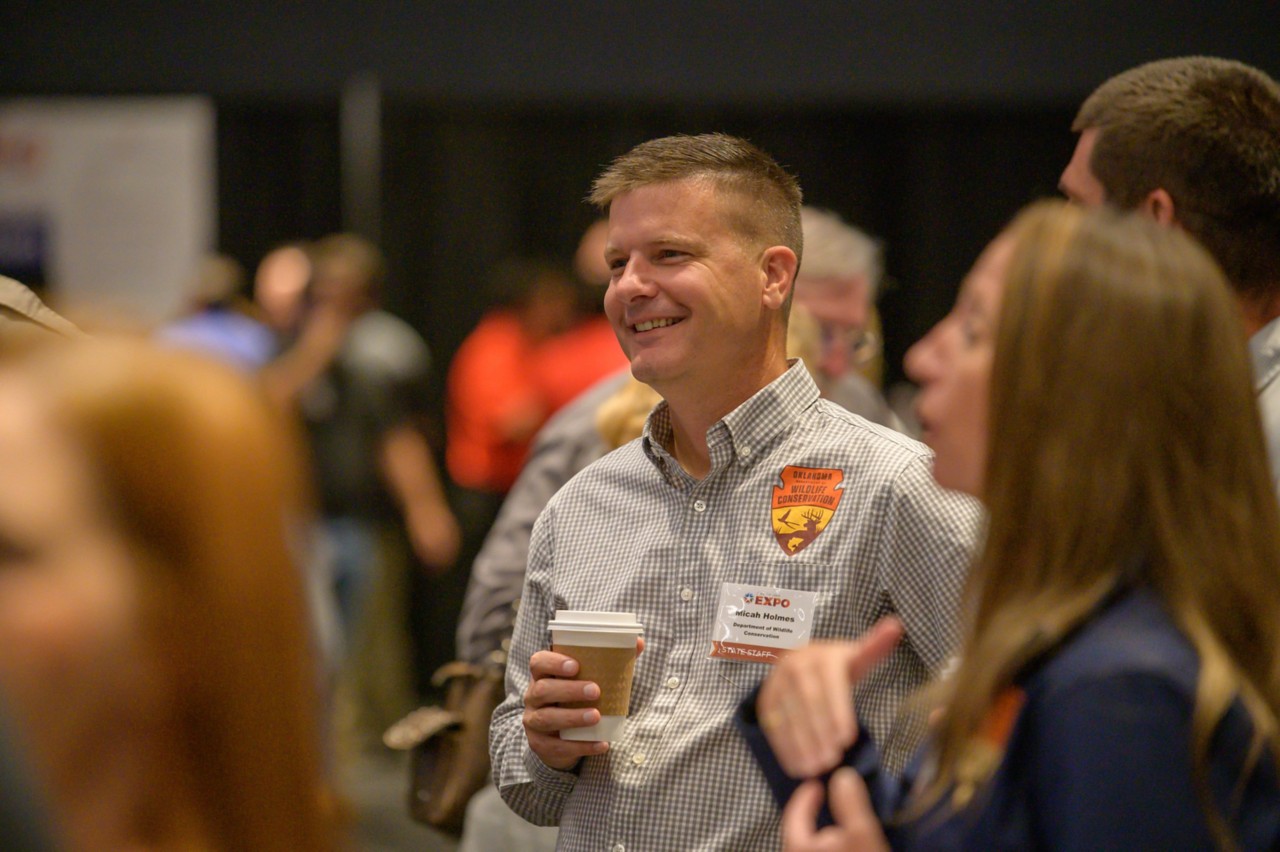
750 517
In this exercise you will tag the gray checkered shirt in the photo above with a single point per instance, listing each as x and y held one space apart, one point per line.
634 532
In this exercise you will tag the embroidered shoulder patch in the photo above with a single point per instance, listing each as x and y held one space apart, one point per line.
804 502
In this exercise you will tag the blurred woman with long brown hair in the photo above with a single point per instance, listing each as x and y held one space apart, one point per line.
1119 686
155 654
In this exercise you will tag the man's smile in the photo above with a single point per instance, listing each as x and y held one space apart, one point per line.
649 325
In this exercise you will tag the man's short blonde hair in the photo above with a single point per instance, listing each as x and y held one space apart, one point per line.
768 208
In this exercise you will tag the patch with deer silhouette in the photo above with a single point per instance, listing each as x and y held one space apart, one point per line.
804 502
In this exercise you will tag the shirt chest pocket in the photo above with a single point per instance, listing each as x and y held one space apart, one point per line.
772 588
831 606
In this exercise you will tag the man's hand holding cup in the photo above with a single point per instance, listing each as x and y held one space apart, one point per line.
562 718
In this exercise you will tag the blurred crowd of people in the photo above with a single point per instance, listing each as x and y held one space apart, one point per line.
235 549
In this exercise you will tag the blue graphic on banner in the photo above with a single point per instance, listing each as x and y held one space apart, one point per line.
24 247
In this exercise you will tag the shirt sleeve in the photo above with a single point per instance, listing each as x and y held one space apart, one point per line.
498 573
926 546
532 789
926 557
1109 765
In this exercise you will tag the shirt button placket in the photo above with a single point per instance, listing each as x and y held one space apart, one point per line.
699 506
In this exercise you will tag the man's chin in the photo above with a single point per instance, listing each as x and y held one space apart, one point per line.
649 373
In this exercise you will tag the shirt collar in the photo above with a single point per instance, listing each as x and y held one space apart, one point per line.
741 433
1264 350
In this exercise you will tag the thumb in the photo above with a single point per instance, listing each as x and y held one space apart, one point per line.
852 810
800 816
876 644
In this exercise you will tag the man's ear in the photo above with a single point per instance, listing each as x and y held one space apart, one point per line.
1159 206
779 266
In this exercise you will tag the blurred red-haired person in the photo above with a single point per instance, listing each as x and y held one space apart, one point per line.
155 651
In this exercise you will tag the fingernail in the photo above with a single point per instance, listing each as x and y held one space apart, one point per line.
601 747
569 667
587 717
591 692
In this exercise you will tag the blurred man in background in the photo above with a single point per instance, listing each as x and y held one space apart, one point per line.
837 286
356 376
1194 142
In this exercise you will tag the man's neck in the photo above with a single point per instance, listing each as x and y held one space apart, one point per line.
693 413
689 442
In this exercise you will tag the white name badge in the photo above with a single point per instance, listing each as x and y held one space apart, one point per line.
760 625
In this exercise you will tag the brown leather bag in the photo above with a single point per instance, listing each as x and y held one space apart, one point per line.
449 745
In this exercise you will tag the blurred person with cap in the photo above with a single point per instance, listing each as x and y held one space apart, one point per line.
22 310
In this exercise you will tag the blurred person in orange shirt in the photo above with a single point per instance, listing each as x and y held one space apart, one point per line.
495 400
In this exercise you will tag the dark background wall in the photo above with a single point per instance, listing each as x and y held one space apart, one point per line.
926 122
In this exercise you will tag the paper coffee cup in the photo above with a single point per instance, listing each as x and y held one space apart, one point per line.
604 644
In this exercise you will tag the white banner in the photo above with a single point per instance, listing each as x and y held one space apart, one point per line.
109 202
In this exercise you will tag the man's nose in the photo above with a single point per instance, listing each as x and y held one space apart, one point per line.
634 281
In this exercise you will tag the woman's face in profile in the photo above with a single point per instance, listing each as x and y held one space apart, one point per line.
67 596
952 365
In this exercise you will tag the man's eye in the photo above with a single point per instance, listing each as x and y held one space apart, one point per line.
670 254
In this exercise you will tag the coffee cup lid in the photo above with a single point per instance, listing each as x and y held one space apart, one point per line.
612 622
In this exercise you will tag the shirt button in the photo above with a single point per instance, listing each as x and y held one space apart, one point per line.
673 682
699 506
638 759
618 847
686 594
